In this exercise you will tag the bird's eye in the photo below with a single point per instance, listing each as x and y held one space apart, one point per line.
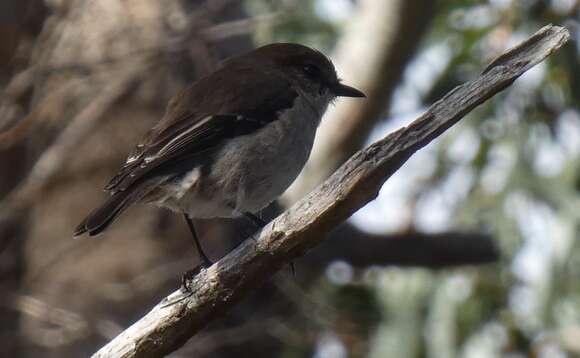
311 70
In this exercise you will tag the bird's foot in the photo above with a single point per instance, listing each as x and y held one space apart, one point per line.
188 276
254 237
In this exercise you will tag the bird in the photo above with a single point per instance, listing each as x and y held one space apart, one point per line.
230 143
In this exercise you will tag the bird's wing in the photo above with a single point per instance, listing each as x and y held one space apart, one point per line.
186 136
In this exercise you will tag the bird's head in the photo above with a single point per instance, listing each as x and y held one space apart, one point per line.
307 68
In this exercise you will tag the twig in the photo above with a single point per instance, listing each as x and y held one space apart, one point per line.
68 325
19 131
303 226
229 29
410 249
52 159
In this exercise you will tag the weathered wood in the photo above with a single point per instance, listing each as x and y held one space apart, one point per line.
166 328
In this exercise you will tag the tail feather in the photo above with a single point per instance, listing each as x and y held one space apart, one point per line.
103 216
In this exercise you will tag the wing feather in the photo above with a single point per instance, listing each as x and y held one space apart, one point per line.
186 136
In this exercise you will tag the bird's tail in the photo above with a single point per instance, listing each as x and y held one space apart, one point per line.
103 216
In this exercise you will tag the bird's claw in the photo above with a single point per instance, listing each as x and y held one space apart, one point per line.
188 276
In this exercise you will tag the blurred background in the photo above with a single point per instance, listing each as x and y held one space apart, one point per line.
470 250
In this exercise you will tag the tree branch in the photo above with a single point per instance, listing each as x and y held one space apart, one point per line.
409 249
56 155
304 225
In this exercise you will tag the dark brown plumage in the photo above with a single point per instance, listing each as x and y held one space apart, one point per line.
244 95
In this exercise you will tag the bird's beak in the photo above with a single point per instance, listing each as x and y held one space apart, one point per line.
342 90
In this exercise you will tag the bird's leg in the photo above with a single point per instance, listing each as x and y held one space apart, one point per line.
260 223
205 261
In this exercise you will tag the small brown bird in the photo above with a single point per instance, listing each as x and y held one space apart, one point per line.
230 143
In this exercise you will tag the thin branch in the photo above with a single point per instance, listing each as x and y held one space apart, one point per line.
229 29
22 129
52 159
215 290
70 326
409 249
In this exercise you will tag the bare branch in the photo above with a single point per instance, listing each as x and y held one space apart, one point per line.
416 249
55 156
229 29
215 290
